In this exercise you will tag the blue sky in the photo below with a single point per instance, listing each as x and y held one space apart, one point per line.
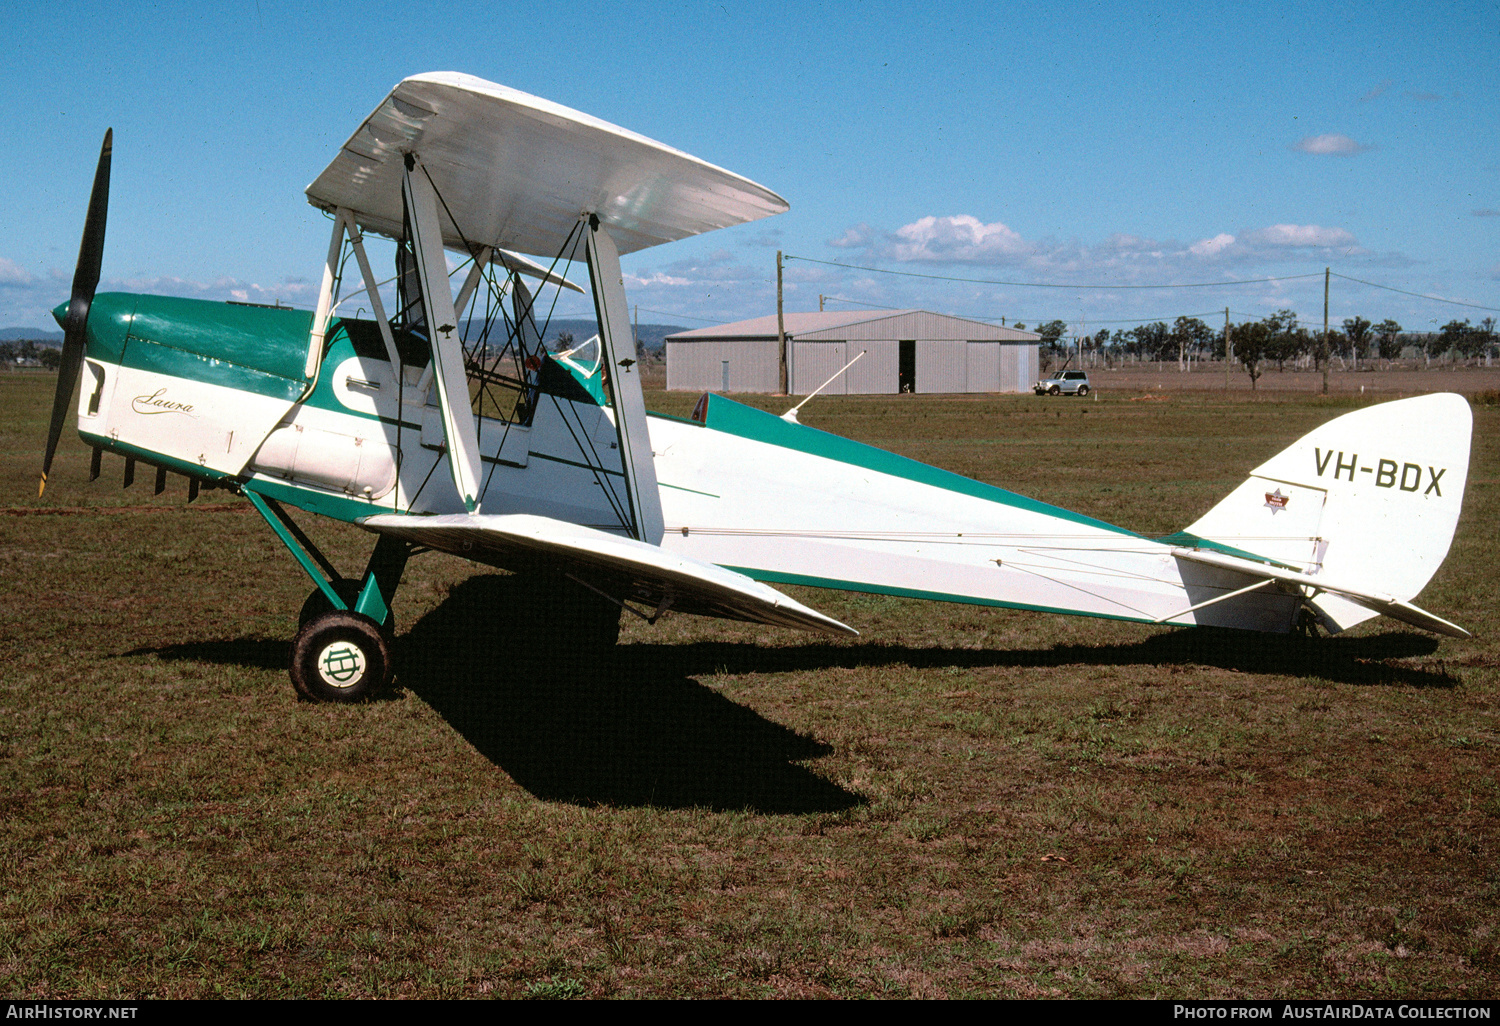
1070 144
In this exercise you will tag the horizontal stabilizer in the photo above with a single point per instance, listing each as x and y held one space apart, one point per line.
1386 605
619 567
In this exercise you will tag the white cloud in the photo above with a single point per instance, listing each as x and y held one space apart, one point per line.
1125 244
27 299
963 238
655 278
1212 247
1300 235
12 273
1332 144
289 292
856 237
1375 92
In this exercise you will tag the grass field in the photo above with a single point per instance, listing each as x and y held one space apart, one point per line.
961 802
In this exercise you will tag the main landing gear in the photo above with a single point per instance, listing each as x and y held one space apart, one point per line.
342 651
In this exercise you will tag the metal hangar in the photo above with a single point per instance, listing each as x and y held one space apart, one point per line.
904 351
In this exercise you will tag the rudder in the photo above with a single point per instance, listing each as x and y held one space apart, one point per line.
1371 497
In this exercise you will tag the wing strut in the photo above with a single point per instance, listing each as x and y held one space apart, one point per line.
625 384
475 276
372 290
442 325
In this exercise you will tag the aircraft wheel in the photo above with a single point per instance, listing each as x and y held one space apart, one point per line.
1083 390
339 656
317 603
1054 390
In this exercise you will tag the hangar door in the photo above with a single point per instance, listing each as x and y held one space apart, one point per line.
982 366
941 366
873 374
816 362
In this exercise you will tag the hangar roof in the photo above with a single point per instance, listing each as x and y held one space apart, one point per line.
839 325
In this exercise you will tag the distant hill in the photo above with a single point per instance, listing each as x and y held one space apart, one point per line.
652 336
34 334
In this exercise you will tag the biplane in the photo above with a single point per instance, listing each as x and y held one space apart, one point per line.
445 424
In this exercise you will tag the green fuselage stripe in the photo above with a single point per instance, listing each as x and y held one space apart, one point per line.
1187 540
152 457
746 422
695 491
338 507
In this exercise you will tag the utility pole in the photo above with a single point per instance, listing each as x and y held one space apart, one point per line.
1324 347
820 302
781 326
1228 350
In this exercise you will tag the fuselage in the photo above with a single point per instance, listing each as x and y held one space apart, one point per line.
231 393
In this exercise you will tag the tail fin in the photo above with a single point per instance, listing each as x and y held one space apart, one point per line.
1370 498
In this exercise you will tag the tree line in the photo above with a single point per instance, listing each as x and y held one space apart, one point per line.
1275 339
27 351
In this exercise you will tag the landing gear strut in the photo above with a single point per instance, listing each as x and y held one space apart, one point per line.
342 651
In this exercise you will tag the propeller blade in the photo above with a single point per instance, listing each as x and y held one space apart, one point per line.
85 281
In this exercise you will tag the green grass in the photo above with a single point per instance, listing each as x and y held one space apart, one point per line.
961 802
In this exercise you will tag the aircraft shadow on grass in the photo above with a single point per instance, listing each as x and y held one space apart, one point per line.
631 726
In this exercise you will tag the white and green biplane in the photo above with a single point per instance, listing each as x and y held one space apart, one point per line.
440 427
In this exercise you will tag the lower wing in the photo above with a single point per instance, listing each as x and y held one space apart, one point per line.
619 568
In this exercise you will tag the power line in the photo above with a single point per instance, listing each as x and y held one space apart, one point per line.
860 302
1181 285
881 306
1048 285
668 313
1148 320
1082 320
1435 299
589 315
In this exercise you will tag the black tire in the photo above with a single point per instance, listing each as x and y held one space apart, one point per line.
340 656
1083 390
317 603
1054 390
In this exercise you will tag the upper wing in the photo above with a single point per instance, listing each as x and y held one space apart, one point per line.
619 567
516 171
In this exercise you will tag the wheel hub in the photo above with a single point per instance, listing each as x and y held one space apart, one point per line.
341 664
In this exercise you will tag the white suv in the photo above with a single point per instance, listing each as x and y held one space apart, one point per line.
1066 383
